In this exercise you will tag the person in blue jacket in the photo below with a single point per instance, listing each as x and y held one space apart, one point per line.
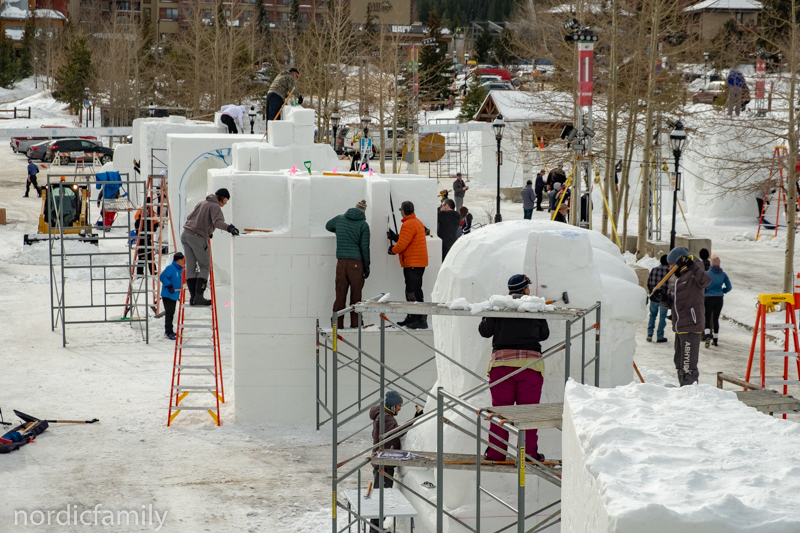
171 279
720 285
32 171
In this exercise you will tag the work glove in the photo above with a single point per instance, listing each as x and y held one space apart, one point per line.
390 250
170 289
660 295
232 230
300 100
684 263
392 236
366 271
419 412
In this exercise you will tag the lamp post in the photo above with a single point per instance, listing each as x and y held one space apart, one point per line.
677 138
152 109
87 104
498 126
252 115
705 67
335 118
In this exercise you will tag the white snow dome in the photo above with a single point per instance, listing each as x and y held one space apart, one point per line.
558 258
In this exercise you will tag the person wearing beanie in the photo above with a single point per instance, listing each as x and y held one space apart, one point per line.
412 247
198 229
449 225
230 114
32 171
516 343
282 86
552 197
529 199
392 404
352 257
715 292
704 258
684 294
171 281
459 189
656 309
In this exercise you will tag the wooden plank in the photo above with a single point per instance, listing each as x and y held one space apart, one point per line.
433 308
534 416
768 401
463 461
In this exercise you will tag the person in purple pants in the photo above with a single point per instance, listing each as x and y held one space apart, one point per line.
516 342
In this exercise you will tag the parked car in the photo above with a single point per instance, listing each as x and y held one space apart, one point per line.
498 86
71 147
716 92
37 151
20 144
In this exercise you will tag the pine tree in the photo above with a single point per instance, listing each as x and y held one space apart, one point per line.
483 44
294 13
26 54
504 47
476 94
434 82
77 73
262 17
8 63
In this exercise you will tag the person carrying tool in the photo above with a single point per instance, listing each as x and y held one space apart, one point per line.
32 171
282 86
352 257
230 114
171 282
684 294
516 342
413 251
392 404
198 229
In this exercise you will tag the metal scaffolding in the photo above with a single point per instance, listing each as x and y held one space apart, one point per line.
517 419
100 273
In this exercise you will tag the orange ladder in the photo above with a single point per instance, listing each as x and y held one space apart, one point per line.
770 303
197 339
780 158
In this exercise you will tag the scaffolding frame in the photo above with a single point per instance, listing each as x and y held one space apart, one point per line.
445 401
58 258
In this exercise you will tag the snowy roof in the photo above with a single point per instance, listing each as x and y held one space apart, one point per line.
50 14
11 12
595 8
14 34
523 106
727 5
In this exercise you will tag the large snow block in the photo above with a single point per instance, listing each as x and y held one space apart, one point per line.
649 459
245 155
280 132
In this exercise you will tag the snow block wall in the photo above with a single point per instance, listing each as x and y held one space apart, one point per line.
557 258
649 459
283 281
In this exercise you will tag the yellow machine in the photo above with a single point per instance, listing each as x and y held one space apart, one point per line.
72 201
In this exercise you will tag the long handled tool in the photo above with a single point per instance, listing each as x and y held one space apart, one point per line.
29 418
278 114
664 280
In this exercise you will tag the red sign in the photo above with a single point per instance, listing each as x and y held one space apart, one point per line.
585 73
761 69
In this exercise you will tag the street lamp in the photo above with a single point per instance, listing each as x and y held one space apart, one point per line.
252 115
498 126
87 104
335 118
677 139
705 67
152 108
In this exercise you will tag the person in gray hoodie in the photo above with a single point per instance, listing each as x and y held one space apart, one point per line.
198 229
684 294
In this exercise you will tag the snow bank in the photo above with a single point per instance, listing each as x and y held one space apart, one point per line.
650 459
558 259
502 302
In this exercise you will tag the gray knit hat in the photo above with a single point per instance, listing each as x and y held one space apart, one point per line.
676 253
362 205
392 398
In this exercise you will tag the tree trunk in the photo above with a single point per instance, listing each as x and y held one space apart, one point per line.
792 138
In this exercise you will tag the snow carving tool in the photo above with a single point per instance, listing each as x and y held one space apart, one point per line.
29 418
3 422
664 280
307 164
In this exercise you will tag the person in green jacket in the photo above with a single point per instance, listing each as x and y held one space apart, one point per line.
352 254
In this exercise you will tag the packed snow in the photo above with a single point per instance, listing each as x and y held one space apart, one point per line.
502 302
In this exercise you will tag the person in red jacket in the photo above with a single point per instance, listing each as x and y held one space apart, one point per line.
413 251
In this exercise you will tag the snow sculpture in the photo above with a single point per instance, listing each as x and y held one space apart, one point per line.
557 258
649 459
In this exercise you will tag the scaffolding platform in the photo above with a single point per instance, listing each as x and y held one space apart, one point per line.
461 461
434 309
533 416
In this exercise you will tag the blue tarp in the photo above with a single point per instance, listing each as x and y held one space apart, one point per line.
114 182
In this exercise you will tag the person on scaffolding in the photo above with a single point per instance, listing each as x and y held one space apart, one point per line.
352 257
412 248
199 228
516 343
171 279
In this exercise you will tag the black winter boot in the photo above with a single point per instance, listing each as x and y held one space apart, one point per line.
199 297
190 283
406 321
419 322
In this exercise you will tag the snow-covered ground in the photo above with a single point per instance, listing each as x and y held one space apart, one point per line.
235 477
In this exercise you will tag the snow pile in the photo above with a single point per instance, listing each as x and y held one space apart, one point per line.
654 376
644 458
38 254
502 302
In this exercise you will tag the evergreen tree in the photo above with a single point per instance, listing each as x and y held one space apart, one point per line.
27 53
476 94
8 63
294 13
221 18
434 81
483 44
370 26
77 73
262 17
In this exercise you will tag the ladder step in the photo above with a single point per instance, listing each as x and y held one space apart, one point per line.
209 367
194 346
190 388
195 326
781 354
197 355
184 374
778 326
781 382
194 408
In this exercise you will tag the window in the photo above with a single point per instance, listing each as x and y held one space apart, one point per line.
303 16
87 145
124 6
247 15
171 13
284 16
739 17
227 13
147 12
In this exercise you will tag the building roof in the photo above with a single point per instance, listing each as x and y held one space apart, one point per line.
523 106
10 12
726 5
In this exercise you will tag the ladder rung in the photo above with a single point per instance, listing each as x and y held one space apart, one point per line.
778 326
195 325
781 354
185 408
194 346
205 374
190 388
197 355
195 366
781 382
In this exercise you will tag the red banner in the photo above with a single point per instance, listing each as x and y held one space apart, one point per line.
761 69
585 73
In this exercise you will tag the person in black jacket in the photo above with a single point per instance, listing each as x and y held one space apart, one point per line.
516 343
449 225
466 220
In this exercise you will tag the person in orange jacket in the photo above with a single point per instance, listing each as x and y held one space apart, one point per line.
413 251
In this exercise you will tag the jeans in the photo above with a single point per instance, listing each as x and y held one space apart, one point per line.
528 213
459 201
522 389
274 104
656 309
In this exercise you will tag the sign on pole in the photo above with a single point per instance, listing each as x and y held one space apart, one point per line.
761 70
585 73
